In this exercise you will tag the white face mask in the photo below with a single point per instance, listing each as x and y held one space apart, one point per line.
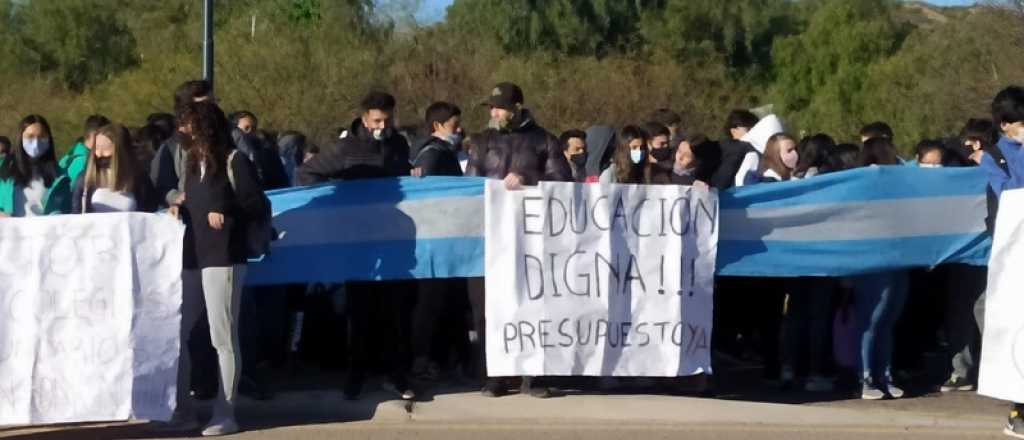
929 165
35 147
636 156
378 134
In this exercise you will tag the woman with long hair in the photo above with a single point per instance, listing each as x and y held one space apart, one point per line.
113 181
31 183
223 192
630 158
780 158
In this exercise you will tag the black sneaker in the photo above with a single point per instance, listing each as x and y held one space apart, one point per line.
494 388
530 387
1015 425
956 383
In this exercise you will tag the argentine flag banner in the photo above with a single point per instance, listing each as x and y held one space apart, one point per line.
857 221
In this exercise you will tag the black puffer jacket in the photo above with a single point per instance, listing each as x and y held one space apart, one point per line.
527 150
358 156
733 153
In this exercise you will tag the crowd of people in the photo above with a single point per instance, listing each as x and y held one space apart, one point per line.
211 170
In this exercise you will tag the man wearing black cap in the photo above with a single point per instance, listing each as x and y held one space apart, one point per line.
517 150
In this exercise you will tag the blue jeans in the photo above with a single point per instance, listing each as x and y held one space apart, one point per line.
878 300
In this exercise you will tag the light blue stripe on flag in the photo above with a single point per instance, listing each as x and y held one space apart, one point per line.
832 225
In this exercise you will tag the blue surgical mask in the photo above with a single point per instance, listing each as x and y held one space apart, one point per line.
35 147
455 139
636 156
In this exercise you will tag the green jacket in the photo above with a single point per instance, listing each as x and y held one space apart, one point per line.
74 161
57 201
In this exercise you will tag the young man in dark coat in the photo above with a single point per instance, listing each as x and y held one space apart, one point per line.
378 311
370 148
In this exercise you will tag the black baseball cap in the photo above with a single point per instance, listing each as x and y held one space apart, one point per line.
505 96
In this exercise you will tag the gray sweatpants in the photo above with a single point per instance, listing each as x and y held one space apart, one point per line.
221 290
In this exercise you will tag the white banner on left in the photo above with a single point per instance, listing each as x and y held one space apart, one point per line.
89 317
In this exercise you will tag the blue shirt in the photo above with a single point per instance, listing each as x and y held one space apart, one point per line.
998 179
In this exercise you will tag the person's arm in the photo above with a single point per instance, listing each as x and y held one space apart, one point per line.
163 175
404 164
608 175
77 195
556 166
998 180
748 169
327 165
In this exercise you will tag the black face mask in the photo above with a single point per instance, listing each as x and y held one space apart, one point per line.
102 162
661 154
579 160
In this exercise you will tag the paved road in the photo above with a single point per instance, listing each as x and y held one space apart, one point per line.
324 415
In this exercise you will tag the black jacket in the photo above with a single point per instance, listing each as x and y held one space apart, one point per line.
437 157
204 246
166 169
733 152
527 150
269 167
358 156
146 197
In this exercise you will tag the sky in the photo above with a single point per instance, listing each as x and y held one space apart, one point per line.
434 10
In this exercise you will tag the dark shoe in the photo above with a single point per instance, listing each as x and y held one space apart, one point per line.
494 388
956 383
1015 425
529 387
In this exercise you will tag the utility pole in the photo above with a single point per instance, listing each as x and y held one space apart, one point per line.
208 40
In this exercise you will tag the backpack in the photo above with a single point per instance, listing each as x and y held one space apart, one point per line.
259 231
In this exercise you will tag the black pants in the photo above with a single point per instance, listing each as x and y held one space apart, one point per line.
923 316
750 309
439 319
264 326
965 311
476 295
379 315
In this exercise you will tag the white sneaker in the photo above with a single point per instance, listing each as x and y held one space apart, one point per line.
180 422
223 427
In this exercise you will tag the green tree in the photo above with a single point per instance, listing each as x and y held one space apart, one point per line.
740 30
820 73
83 41
945 74
569 27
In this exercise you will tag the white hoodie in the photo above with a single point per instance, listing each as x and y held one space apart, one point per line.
758 136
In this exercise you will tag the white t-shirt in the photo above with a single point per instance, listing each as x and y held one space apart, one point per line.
28 200
105 200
